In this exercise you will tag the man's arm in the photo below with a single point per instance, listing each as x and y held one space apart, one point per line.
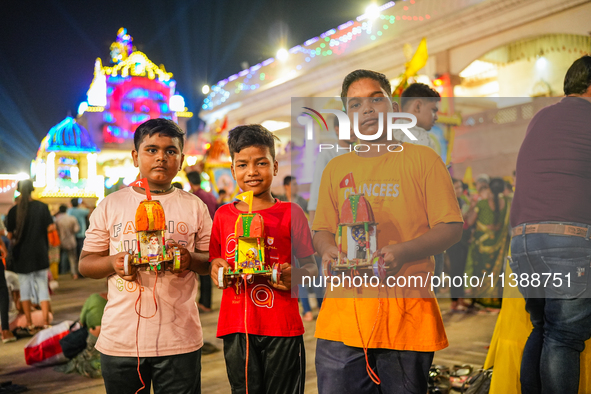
433 242
75 225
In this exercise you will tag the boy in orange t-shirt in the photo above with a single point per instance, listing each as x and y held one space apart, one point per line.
413 201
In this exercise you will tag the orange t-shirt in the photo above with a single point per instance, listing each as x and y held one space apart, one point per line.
409 192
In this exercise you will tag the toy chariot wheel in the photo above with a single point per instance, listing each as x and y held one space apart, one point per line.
176 262
222 279
276 274
379 266
127 260
327 269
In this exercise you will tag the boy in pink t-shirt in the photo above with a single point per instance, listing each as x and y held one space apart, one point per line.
276 356
166 340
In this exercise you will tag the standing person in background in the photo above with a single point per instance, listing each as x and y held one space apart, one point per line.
68 227
551 219
80 213
344 146
290 185
7 335
222 195
28 225
458 253
210 201
421 101
489 248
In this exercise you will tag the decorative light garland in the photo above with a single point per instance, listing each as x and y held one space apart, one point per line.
332 42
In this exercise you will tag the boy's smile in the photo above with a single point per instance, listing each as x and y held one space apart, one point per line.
159 159
253 169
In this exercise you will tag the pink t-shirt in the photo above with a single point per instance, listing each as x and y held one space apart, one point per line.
175 328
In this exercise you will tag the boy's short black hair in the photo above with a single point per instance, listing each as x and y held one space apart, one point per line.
578 77
251 135
362 74
74 202
418 90
63 208
158 126
287 180
194 177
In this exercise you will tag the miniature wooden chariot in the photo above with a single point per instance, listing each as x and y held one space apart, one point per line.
150 227
249 255
358 222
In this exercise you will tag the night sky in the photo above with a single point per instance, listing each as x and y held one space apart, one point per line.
48 49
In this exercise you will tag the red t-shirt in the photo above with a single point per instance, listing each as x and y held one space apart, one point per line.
270 312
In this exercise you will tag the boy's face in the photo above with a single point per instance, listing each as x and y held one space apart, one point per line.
367 98
425 111
159 159
253 168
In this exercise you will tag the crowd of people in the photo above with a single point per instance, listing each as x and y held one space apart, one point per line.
149 325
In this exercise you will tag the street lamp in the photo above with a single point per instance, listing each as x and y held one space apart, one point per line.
205 89
282 54
372 12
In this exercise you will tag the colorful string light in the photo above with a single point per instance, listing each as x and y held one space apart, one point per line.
310 54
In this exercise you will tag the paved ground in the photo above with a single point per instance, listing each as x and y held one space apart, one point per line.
468 335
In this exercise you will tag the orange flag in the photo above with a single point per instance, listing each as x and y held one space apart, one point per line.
348 181
143 184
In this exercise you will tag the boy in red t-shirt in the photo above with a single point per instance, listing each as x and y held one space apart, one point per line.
272 328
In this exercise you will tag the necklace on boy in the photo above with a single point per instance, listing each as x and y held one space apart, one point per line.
162 191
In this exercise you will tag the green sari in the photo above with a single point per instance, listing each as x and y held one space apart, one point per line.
487 252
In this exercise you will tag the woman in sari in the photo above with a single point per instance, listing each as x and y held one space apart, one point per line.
490 241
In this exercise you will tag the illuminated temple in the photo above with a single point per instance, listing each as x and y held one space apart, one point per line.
86 156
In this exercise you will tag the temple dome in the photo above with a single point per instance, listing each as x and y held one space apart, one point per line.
68 136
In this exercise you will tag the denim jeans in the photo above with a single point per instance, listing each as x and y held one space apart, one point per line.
560 311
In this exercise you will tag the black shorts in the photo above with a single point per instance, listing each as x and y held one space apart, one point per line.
177 374
276 365
341 369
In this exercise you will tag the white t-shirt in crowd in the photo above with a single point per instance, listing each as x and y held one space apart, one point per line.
423 136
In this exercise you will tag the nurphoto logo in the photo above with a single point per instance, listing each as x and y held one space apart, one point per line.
311 116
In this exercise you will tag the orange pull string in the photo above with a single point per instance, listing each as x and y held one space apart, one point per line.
372 375
246 329
137 329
